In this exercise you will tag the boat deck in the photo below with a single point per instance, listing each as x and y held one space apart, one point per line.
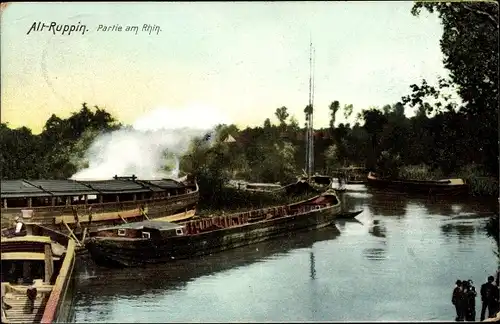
456 181
17 308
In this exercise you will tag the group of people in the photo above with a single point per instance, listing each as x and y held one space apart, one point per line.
464 299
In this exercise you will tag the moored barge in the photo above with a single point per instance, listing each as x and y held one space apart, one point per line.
157 242
71 206
444 187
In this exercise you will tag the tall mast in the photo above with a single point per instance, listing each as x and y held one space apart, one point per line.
311 149
310 117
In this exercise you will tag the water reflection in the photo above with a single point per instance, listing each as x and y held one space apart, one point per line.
463 231
440 208
375 254
453 206
127 283
378 229
387 205
342 223
313 267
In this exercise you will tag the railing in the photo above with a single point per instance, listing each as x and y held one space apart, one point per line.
202 225
57 297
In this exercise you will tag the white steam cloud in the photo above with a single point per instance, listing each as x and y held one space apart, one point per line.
140 149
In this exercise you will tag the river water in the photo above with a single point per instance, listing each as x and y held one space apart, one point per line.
398 262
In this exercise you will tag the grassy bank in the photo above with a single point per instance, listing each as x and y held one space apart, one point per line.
481 184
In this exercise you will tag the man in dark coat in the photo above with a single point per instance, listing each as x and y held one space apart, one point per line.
489 298
470 314
455 299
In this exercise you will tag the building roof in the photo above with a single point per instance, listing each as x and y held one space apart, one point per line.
48 188
160 185
116 186
229 139
19 189
58 187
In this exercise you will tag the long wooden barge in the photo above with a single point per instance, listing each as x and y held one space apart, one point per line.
303 185
71 206
445 187
37 277
156 242
300 187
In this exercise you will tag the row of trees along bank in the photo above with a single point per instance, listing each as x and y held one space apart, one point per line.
383 140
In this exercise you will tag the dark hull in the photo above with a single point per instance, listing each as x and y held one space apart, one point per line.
349 215
432 188
110 252
356 181
293 189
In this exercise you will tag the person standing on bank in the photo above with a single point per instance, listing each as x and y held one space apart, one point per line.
496 300
470 315
488 299
455 299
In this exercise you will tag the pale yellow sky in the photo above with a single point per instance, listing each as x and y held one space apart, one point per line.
245 59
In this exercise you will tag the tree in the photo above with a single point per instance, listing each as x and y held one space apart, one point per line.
470 50
348 110
282 115
374 123
334 107
331 157
293 125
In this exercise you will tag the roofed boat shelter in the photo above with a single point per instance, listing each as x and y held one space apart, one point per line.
32 193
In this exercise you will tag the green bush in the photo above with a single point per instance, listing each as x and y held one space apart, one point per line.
481 184
420 172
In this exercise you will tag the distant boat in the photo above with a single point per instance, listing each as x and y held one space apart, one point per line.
445 187
300 187
352 174
37 277
146 242
319 182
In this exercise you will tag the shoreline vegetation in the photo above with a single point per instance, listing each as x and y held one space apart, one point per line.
268 153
